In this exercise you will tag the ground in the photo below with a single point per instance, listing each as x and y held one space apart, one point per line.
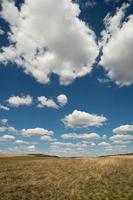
42 178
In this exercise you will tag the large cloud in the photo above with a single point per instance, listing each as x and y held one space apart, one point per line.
79 119
44 43
117 56
80 136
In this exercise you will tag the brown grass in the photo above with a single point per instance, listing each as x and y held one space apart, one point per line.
36 178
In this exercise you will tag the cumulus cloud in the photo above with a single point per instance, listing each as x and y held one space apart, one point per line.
20 100
7 129
21 142
123 129
117 43
80 136
120 137
31 148
6 138
47 138
79 119
45 102
68 144
62 99
63 45
103 144
36 132
2 107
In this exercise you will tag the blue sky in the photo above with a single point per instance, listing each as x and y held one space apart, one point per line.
66 78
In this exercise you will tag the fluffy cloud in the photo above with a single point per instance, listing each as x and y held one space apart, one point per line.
105 144
63 45
2 107
21 142
68 144
80 136
7 129
31 148
120 137
20 101
79 119
45 102
47 138
6 138
117 42
36 132
62 99
123 129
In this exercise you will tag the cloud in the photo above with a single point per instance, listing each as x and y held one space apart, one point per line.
117 43
79 119
1 32
6 138
103 144
68 144
80 136
3 121
62 99
45 102
123 129
36 132
120 137
63 45
87 3
20 101
31 148
7 129
47 138
2 107
21 142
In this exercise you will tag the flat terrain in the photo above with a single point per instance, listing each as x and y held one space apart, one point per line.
39 178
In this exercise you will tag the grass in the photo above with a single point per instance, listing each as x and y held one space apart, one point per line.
38 178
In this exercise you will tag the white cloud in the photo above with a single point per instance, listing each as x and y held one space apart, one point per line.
31 148
103 144
120 137
117 43
80 136
79 119
3 121
36 132
63 45
45 102
2 107
20 101
62 99
7 129
123 129
21 142
47 138
6 138
68 144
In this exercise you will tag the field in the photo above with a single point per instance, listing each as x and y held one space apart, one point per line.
39 178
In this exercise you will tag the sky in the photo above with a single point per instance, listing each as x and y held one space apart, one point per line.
66 77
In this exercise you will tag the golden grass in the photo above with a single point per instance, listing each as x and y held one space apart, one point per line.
37 178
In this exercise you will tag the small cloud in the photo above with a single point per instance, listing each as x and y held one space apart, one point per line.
6 138
123 129
2 107
47 138
17 101
45 102
80 136
62 99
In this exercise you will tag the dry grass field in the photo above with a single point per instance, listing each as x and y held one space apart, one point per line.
38 178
